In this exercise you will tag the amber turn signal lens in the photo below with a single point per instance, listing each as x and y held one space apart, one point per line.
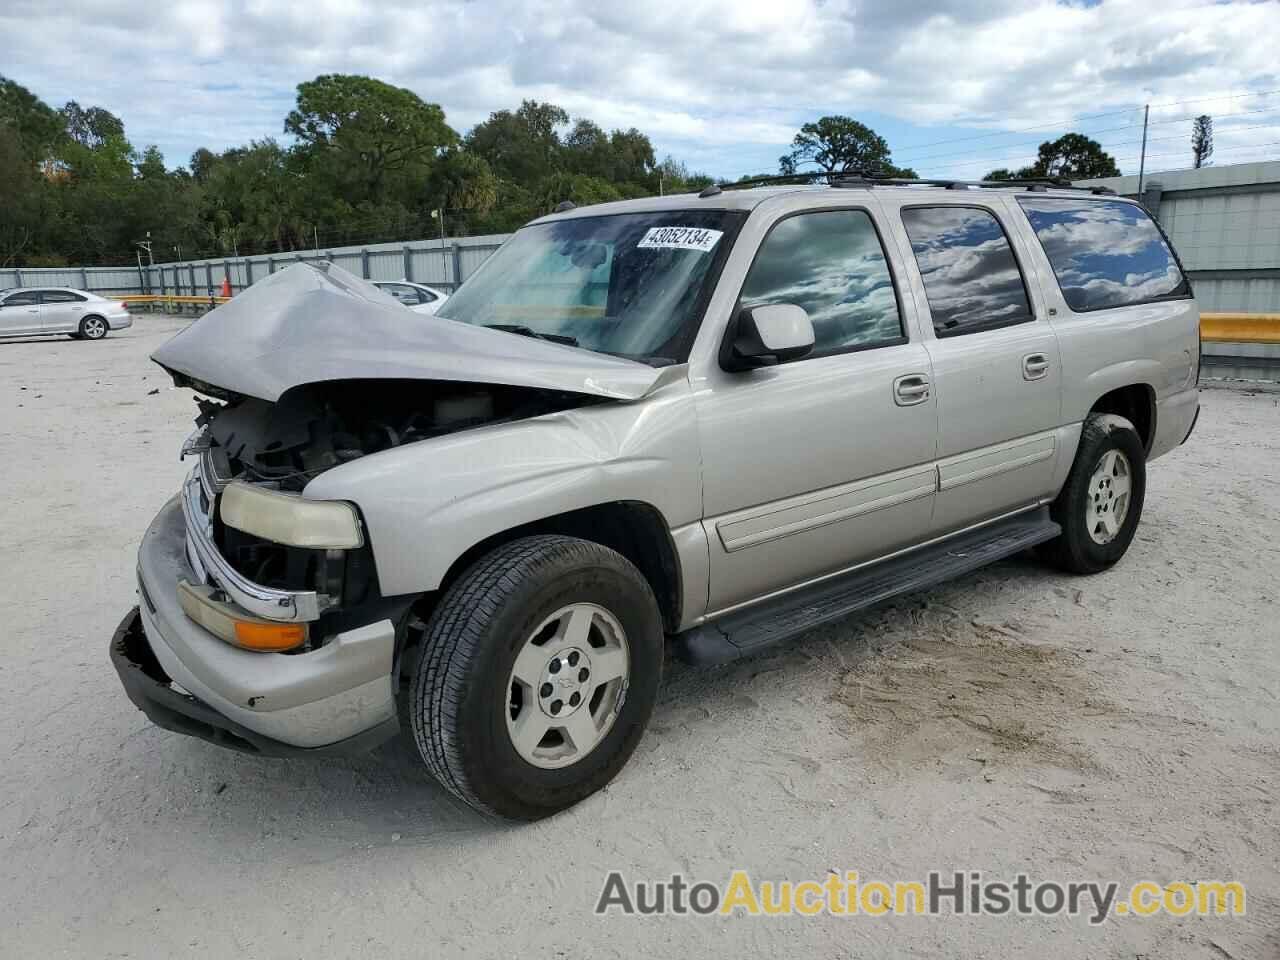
270 636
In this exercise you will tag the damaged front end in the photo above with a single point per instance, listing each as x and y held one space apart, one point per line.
279 556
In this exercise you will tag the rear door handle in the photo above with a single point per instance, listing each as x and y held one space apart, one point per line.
910 389
1035 366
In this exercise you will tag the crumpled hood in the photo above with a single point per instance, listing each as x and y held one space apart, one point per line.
313 323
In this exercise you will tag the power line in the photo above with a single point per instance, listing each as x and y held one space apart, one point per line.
1092 116
1089 133
1027 159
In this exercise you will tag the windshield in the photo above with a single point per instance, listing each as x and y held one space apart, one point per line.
629 285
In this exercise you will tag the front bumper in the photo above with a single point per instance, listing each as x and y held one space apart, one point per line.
152 692
302 701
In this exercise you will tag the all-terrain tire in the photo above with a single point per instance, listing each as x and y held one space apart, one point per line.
461 689
1076 550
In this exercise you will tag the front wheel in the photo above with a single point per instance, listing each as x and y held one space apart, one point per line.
539 670
1101 502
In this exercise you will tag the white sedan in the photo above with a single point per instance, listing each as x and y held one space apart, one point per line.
416 296
33 311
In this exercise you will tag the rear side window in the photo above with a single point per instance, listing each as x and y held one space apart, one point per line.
60 296
971 277
832 264
1105 253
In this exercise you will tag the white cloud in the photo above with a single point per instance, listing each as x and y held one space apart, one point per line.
712 82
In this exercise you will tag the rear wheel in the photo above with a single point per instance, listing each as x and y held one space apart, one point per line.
1101 503
93 328
539 670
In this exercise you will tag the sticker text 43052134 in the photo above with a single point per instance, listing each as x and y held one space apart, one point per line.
680 238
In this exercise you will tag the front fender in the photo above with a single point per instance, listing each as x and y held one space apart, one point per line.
426 503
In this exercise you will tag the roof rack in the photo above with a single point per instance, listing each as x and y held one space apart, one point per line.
854 179
786 179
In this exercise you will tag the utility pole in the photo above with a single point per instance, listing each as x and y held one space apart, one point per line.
1142 160
151 262
444 254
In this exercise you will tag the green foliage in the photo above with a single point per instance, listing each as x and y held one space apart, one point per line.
21 196
1201 140
32 125
1072 156
839 144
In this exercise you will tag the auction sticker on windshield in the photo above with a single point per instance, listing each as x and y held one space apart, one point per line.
679 238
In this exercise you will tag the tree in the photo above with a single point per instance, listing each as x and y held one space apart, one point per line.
93 128
523 145
1072 156
675 177
367 161
20 193
1202 140
463 186
151 165
33 124
362 133
838 145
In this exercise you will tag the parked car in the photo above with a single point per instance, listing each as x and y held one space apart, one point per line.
714 421
33 311
416 296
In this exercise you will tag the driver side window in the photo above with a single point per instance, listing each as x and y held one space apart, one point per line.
27 299
832 264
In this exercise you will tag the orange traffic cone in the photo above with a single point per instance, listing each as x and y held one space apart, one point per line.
226 286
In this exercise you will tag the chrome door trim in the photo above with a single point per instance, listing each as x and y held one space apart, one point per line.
808 511
724 611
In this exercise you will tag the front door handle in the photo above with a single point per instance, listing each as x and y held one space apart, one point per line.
910 389
1035 366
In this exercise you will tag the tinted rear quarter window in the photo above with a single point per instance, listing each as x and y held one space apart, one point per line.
1105 253
971 277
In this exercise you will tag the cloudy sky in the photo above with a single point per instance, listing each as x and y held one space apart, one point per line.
956 86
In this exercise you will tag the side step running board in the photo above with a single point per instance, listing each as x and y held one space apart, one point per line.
774 621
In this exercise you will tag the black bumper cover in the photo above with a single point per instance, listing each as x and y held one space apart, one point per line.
152 692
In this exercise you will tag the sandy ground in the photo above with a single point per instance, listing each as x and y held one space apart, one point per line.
1125 726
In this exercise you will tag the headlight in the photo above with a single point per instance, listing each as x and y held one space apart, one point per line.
290 519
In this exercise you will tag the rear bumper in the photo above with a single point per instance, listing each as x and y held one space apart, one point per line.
316 699
152 692
120 323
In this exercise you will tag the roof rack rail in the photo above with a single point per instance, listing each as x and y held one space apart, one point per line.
854 178
793 179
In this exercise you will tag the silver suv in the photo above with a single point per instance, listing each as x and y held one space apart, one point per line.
711 421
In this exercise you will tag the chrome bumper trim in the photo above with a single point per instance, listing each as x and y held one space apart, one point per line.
265 602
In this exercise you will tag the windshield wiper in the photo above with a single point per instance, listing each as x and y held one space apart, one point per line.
530 332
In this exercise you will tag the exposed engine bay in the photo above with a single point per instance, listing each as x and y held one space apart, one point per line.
316 427
319 426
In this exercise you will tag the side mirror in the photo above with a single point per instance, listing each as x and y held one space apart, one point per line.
774 333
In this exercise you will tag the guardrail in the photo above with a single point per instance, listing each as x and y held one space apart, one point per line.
1240 327
171 303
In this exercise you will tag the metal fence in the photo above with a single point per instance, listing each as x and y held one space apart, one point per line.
437 263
